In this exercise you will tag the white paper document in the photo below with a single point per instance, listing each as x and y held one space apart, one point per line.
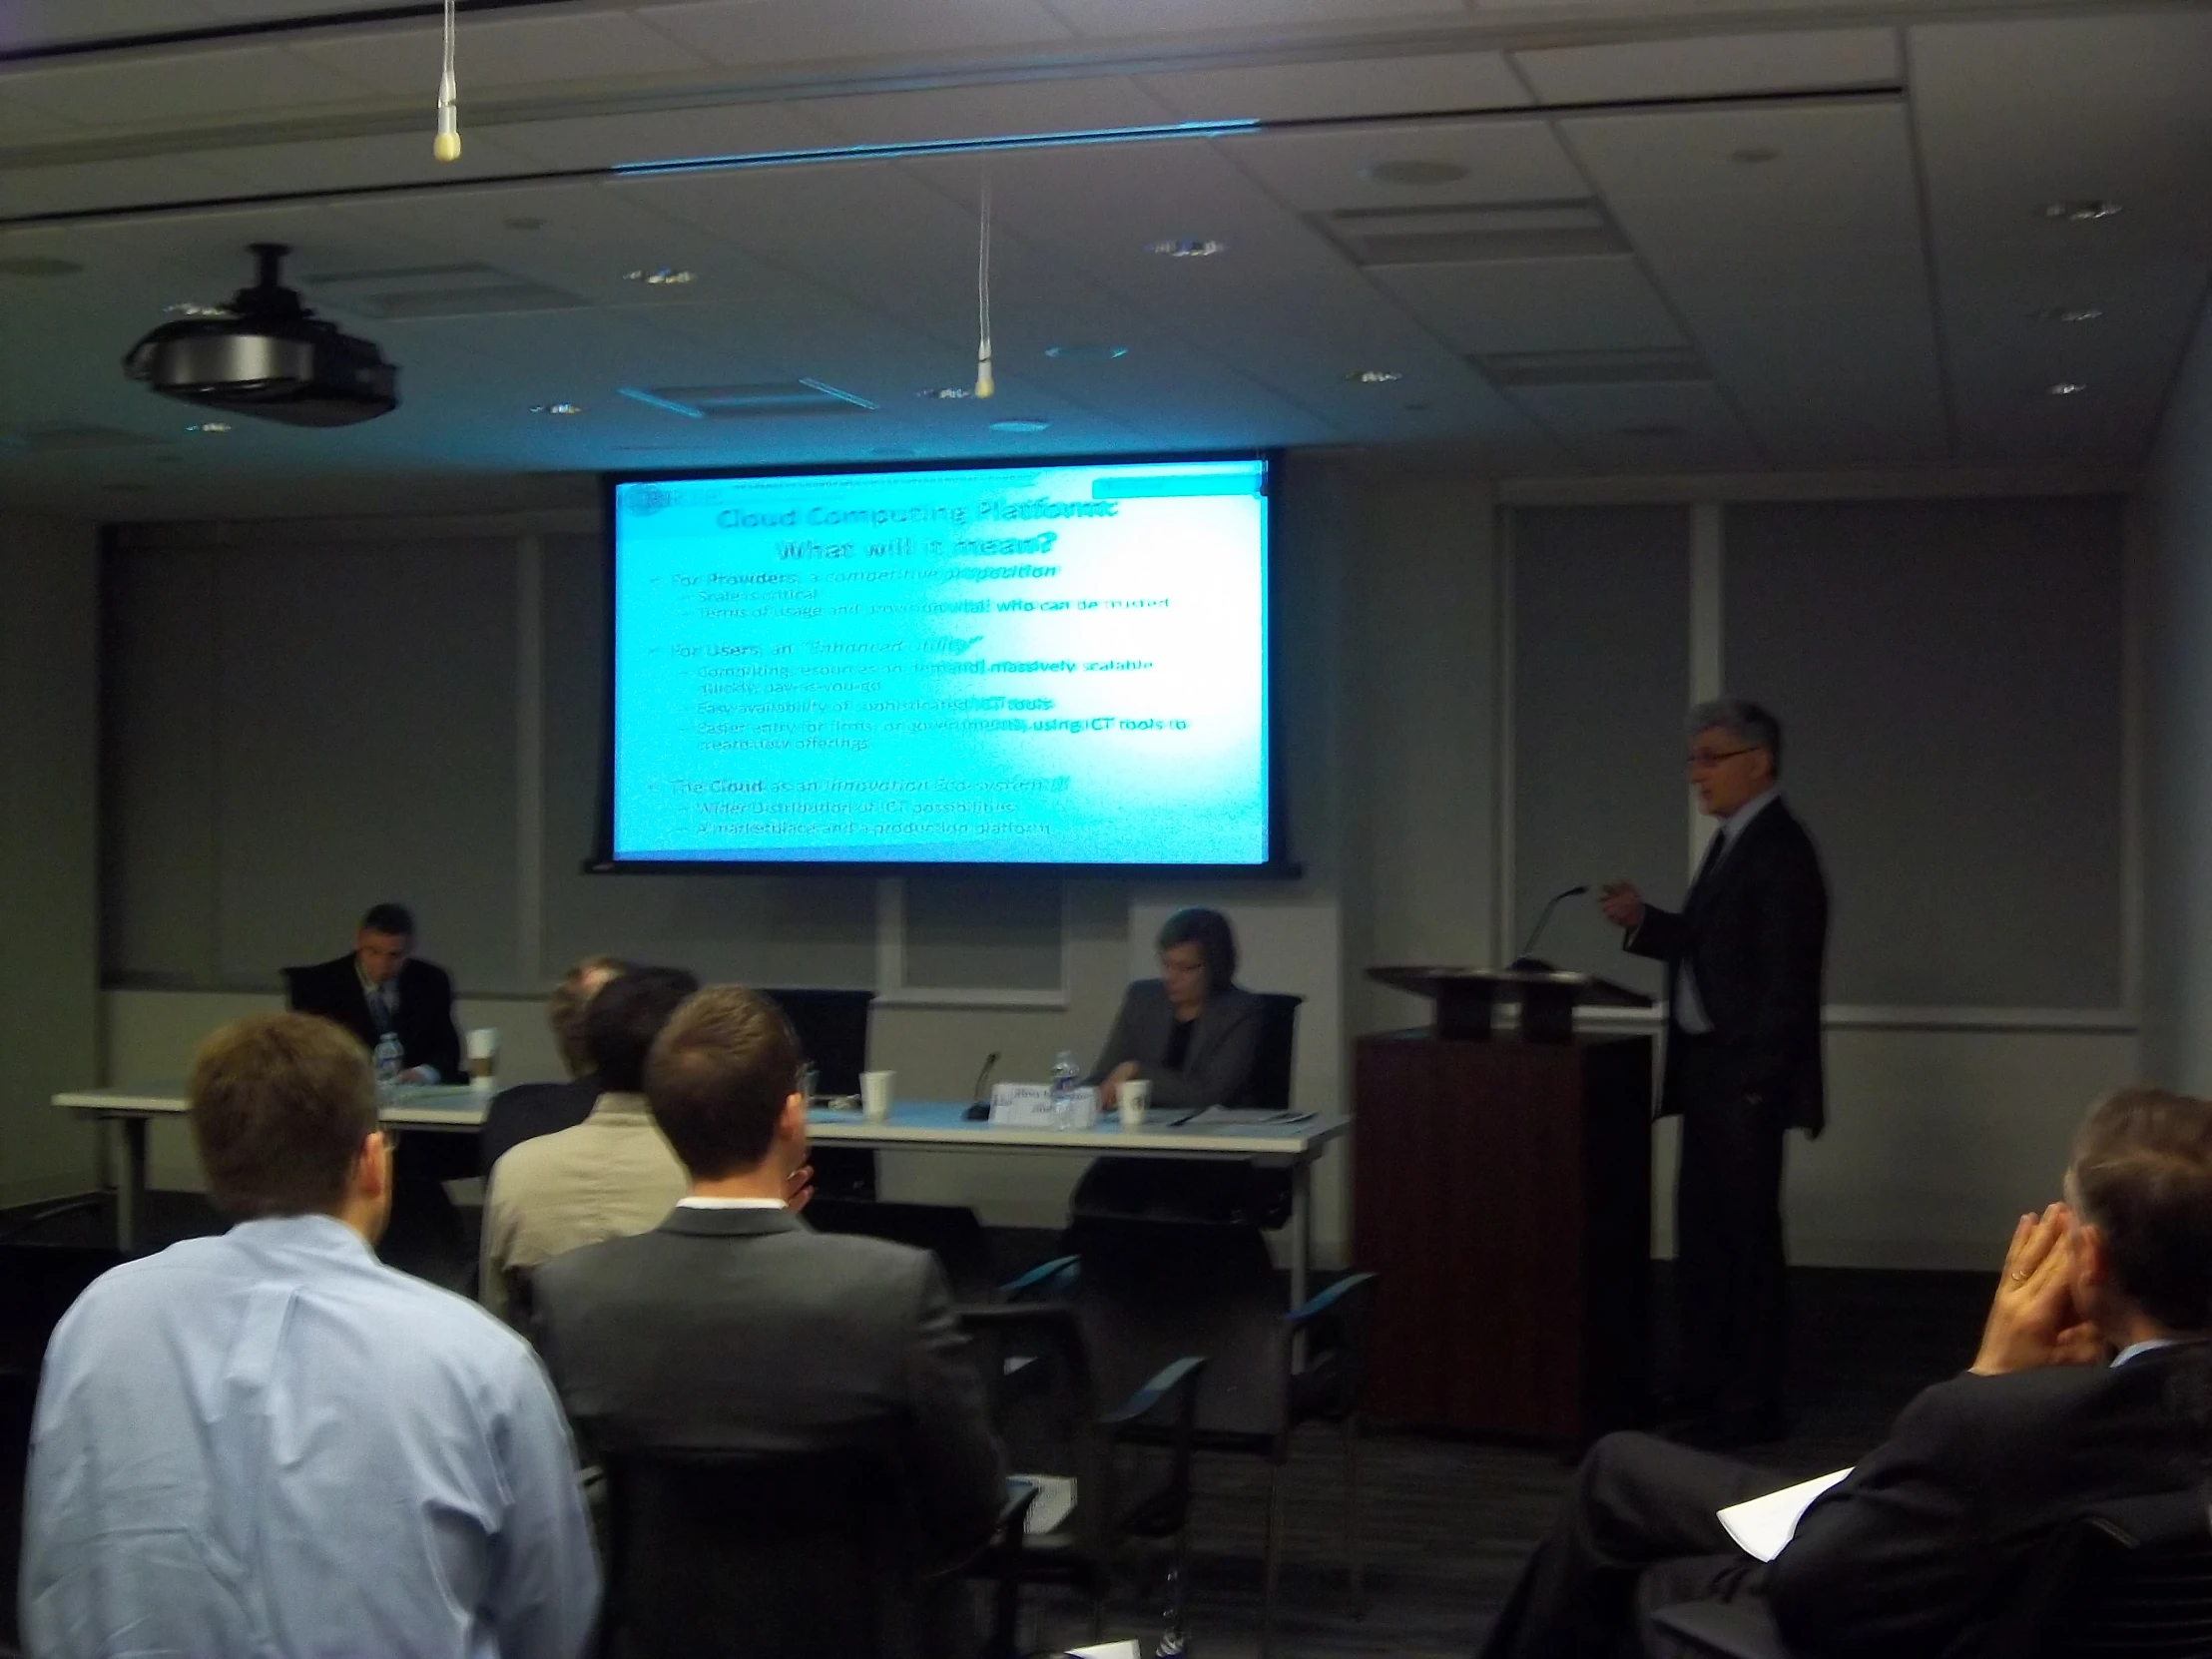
1055 1500
1762 1525
1106 1650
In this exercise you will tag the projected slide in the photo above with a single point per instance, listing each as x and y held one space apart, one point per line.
1003 665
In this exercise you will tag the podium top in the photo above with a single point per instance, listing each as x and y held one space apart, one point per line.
1443 983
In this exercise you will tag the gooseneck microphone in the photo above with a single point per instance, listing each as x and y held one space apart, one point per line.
978 1097
1528 963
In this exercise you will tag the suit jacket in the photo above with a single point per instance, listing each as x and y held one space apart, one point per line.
424 1024
1755 933
745 1330
528 1110
1223 1053
610 1176
1926 1543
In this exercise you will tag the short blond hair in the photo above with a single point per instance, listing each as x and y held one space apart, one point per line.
570 1004
279 1105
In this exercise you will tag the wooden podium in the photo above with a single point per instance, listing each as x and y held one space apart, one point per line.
1501 1186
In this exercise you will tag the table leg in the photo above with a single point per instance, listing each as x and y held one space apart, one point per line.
129 1192
1302 1229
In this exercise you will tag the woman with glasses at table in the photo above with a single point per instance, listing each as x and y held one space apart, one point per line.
1194 1036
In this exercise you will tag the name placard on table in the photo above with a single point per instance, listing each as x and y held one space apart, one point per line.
1029 1106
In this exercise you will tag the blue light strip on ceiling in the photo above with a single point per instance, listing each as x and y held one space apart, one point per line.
942 146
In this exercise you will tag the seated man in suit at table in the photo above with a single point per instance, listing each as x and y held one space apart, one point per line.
2093 1381
528 1110
381 986
733 1328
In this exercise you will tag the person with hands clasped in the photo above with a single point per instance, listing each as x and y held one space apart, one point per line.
2092 1382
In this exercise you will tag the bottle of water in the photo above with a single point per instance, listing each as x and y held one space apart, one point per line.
1067 1071
387 1057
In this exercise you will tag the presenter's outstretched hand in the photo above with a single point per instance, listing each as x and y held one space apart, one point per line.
1622 903
2034 1319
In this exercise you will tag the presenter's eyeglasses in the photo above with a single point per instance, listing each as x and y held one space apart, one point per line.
1698 759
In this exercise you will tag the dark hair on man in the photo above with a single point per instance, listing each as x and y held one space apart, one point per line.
1748 723
279 1105
1208 930
565 1012
625 1017
718 1078
2143 1176
389 919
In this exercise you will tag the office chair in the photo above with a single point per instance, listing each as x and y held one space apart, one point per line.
950 1232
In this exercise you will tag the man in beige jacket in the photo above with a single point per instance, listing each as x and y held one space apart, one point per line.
610 1176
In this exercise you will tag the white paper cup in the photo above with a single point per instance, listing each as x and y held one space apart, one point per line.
1133 1099
483 1059
875 1095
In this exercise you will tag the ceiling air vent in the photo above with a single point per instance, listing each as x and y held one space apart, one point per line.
1474 233
1593 368
751 400
425 290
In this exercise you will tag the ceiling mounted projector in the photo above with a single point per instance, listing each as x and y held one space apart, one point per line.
269 357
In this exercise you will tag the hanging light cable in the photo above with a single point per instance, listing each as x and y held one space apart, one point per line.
446 147
984 384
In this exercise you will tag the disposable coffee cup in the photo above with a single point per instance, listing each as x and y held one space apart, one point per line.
1133 1099
875 1095
483 1059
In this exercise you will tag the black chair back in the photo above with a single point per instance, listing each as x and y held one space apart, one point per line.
950 1232
2134 1582
1152 1291
1270 1074
790 1556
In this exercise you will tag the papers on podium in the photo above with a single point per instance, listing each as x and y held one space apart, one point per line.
1762 1525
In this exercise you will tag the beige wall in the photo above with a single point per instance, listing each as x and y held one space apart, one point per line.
49 848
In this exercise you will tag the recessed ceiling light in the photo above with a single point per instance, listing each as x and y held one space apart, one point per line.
38 265
557 408
2065 388
945 394
1755 155
1186 248
1086 352
1374 377
208 426
663 276
2080 213
1019 425
192 308
1414 172
2068 314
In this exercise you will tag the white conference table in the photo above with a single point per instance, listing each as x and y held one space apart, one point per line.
1291 1142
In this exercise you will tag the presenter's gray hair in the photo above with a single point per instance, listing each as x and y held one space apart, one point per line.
1746 723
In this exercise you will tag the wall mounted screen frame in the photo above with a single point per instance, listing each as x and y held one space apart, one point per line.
617 847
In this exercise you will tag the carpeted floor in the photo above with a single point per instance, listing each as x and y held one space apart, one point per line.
1448 1523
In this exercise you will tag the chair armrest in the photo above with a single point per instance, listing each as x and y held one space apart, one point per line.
1178 1377
1356 1289
1723 1629
1047 1278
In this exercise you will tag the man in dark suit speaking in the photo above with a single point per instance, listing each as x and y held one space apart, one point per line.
1743 1065
381 986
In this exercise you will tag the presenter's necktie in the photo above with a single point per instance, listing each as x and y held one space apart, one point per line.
380 1011
1705 865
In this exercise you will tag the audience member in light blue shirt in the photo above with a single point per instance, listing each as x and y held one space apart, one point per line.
270 1444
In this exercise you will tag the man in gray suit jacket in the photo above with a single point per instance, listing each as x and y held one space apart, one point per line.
734 1328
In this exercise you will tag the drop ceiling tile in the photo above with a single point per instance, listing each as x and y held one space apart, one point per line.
1108 18
744 34
1502 160
506 52
1007 107
186 85
353 163
1658 428
53 22
1434 82
665 135
1601 304
81 186
1714 66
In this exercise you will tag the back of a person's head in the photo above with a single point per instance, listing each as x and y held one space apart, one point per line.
720 1073
2143 1176
279 1105
625 1016
571 998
